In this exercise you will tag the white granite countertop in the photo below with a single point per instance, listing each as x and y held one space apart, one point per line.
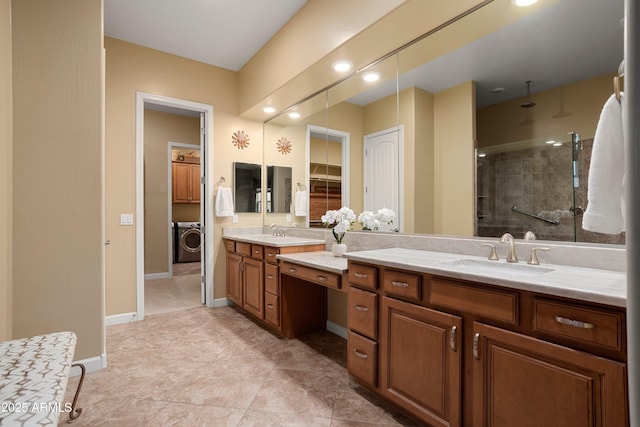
587 284
271 240
322 260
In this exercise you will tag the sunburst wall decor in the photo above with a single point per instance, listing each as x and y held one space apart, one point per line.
284 145
240 139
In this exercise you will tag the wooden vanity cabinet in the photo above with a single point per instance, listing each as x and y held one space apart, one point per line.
459 353
526 382
253 278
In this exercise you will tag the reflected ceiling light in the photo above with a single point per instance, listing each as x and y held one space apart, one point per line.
371 76
269 109
557 144
342 65
497 90
482 154
550 141
523 3
294 115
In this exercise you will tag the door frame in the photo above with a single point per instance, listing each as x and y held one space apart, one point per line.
206 154
344 139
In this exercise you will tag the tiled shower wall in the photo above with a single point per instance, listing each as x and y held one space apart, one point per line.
538 180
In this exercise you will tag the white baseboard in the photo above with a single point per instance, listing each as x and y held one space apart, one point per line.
118 319
340 331
152 276
220 302
91 364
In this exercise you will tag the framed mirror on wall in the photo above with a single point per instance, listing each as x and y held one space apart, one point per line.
460 92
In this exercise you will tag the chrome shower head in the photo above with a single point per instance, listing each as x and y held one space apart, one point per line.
528 104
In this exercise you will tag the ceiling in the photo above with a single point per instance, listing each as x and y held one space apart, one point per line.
568 41
224 33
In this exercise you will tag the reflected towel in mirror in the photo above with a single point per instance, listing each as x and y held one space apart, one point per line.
224 202
605 206
300 205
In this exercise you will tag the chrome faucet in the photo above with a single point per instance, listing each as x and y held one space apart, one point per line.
508 238
277 231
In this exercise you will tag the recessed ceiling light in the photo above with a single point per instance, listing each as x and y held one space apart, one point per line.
269 110
294 115
371 76
550 141
523 3
557 144
482 154
342 65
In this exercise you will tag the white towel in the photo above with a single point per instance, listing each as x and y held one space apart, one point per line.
224 202
300 205
605 207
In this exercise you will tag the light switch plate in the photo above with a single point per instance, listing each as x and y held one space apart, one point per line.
126 219
235 218
288 217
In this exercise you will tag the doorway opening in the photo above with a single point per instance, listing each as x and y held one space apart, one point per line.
200 187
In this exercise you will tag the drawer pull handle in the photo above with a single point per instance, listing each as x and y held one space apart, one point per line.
292 270
400 284
476 352
270 254
360 275
575 323
270 305
360 355
361 308
321 278
452 337
256 251
270 276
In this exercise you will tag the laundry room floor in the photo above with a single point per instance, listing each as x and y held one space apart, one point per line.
175 293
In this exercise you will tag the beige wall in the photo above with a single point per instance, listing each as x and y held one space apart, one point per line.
6 172
57 163
159 129
571 108
132 68
454 135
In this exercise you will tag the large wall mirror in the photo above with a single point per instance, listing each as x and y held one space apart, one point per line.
475 155
247 187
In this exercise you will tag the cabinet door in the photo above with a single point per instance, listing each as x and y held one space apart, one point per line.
526 382
180 182
234 278
420 361
194 183
254 287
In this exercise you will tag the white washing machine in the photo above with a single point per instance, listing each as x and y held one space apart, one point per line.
187 241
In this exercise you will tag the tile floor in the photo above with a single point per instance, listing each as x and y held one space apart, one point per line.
175 293
216 367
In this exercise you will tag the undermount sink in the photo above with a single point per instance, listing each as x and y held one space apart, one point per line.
497 267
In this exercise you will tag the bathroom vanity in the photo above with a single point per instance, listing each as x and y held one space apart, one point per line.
456 341
453 339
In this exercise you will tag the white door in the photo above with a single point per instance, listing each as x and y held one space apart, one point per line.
382 168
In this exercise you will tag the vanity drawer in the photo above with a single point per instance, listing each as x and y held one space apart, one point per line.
257 251
271 309
271 278
486 302
324 278
230 245
243 248
363 276
270 254
362 358
586 325
362 315
402 284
